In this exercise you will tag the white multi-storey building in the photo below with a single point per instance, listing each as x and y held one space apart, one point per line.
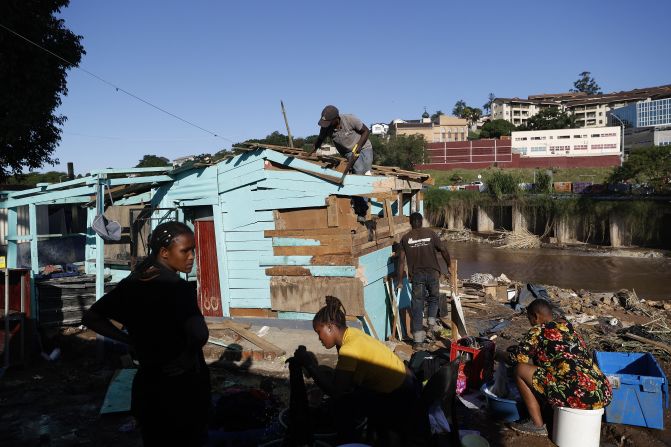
567 142
517 110
588 110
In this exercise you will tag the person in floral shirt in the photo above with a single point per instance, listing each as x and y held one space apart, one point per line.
554 365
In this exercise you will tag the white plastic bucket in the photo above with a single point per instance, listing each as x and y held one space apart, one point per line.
576 428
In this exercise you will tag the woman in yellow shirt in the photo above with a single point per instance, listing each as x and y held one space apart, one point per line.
369 378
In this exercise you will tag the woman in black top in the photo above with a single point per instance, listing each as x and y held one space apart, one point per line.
159 310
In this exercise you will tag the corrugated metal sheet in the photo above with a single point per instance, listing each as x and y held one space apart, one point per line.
22 226
209 295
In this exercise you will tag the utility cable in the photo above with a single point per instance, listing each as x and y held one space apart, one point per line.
118 89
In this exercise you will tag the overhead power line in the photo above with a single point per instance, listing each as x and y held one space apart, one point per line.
118 88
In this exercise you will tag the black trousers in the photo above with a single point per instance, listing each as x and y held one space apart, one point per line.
172 410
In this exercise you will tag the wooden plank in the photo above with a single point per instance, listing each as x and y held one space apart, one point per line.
249 294
243 236
332 211
312 251
245 283
246 265
308 232
316 217
381 243
313 270
248 245
334 260
220 325
245 255
389 215
251 312
257 303
458 321
300 219
247 274
289 203
285 260
346 216
396 322
300 294
654 343
369 323
288 271
313 240
391 194
269 349
295 242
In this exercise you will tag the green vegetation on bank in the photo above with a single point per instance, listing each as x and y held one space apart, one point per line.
456 176
642 218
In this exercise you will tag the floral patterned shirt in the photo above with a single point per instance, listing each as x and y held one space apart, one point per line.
567 375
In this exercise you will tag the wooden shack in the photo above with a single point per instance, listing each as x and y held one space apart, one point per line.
286 234
275 229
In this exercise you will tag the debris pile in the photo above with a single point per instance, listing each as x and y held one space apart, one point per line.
463 235
481 278
519 239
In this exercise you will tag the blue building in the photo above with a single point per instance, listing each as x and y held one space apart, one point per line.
652 113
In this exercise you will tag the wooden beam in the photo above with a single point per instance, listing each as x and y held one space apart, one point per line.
289 270
313 250
457 320
269 350
332 211
657 344
305 232
369 323
252 312
389 215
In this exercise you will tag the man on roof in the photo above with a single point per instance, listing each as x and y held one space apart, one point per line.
350 137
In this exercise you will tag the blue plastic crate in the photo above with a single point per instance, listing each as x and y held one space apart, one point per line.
639 388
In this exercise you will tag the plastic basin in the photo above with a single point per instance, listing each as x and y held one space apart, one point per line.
507 410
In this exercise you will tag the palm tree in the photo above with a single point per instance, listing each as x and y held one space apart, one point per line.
436 115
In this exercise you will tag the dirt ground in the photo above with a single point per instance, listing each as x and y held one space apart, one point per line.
58 402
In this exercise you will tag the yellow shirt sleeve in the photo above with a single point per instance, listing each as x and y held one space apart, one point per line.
373 364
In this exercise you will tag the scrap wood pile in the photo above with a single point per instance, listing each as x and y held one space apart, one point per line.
609 321
228 333
619 321
478 290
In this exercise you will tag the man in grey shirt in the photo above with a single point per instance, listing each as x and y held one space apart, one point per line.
350 137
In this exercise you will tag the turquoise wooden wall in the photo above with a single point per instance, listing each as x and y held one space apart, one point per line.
243 194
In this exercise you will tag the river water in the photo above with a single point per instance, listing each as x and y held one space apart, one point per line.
651 278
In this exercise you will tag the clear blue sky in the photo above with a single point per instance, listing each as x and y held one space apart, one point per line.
225 65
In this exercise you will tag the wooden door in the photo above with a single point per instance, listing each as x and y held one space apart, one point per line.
209 293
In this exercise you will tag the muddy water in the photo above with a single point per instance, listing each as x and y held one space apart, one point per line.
651 278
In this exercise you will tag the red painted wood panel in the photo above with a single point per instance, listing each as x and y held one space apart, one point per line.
15 290
209 293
